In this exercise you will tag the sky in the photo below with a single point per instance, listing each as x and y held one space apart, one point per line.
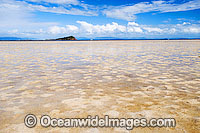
47 19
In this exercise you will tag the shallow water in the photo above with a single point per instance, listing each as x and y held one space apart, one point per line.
145 79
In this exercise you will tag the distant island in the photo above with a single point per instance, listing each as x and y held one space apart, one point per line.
63 38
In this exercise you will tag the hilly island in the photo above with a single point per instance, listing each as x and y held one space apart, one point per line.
64 38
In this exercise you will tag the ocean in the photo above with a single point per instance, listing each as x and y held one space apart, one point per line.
121 79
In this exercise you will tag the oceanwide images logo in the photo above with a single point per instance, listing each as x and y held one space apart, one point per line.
129 123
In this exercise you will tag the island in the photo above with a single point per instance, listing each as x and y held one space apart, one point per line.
64 38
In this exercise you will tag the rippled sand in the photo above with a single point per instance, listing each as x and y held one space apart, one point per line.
151 79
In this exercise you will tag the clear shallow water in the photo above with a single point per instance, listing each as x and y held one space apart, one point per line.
149 79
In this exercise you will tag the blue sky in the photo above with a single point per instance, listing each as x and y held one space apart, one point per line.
43 19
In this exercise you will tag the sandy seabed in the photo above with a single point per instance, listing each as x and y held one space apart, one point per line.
74 79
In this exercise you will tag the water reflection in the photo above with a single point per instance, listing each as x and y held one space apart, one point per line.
119 78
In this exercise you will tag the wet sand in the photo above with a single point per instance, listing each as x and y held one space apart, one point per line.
145 79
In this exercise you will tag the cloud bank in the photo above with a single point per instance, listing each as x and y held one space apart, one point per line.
125 12
128 12
132 29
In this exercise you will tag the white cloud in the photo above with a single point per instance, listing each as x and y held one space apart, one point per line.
74 2
13 31
119 14
152 29
191 5
13 13
17 20
187 27
172 30
57 30
21 8
185 23
20 15
128 12
40 31
72 28
134 27
73 7
133 24
192 29
62 10
108 28
63 30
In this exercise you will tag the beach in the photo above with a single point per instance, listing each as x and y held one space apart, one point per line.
122 79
